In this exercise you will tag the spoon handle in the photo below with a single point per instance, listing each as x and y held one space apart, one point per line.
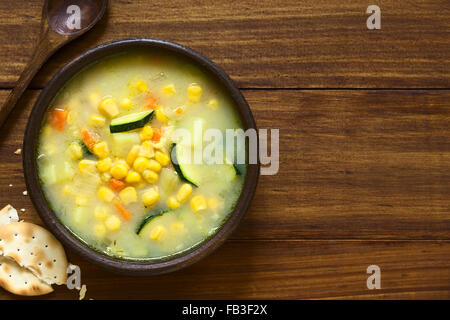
42 51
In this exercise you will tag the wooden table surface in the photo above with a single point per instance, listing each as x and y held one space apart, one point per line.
364 119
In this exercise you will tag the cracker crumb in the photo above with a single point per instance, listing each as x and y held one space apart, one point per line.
18 151
25 193
7 215
83 291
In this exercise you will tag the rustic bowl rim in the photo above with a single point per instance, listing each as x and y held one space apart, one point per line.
117 265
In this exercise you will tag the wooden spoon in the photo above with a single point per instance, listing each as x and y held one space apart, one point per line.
61 22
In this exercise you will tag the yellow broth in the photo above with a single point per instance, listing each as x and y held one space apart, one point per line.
103 197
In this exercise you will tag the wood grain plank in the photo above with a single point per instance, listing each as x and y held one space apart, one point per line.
290 43
353 165
287 270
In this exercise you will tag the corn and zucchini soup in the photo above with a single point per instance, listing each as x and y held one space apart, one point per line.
107 156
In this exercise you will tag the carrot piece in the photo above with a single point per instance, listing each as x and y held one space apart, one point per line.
150 101
58 118
116 184
123 211
156 134
179 110
89 137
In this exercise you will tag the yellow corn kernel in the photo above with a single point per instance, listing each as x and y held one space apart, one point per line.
141 85
126 103
137 87
150 197
150 176
75 151
147 150
81 200
104 165
128 195
173 203
154 165
146 133
198 203
119 170
184 192
101 213
161 116
97 120
169 89
157 232
162 158
212 103
99 230
194 93
112 223
213 203
177 226
133 177
133 154
87 166
140 164
101 150
108 107
72 116
105 194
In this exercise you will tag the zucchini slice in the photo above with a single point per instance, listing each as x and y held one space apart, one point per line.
86 152
179 166
196 174
237 169
131 121
149 218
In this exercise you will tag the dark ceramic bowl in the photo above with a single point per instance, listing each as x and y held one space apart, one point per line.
127 266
